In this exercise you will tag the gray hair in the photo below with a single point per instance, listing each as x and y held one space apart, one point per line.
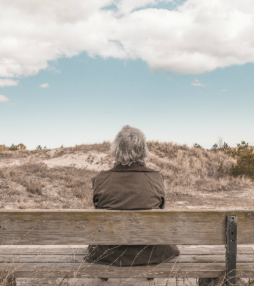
129 146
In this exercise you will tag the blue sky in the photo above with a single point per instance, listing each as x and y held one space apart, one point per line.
90 96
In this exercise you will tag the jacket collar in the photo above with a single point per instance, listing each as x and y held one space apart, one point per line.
135 167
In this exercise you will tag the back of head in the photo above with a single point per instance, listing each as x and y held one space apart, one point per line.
130 146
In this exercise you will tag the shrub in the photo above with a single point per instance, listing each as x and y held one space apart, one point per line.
222 147
13 147
2 148
245 160
196 145
20 146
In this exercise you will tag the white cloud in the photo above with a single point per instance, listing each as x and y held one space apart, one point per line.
199 36
197 83
223 90
8 82
3 98
44 85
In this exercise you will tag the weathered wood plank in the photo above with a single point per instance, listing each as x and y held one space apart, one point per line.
167 270
82 249
74 258
153 227
98 282
164 270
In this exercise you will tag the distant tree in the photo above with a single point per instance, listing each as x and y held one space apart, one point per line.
21 146
13 147
245 160
215 147
220 142
196 145
38 147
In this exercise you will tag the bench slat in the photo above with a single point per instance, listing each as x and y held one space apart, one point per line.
191 270
152 227
82 249
79 258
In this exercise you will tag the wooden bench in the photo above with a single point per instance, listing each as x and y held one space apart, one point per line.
53 243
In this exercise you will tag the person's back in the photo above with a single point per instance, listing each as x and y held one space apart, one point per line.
131 186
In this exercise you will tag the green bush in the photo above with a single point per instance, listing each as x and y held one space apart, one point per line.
196 145
245 160
13 147
20 146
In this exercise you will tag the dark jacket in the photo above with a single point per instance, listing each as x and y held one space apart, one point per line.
129 188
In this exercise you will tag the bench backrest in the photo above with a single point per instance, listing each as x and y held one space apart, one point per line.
147 227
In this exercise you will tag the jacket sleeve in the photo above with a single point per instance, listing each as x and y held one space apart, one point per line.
162 205
163 195
97 183
95 198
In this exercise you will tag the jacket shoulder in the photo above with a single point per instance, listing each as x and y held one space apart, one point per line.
100 178
157 176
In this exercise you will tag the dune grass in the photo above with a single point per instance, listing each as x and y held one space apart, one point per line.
187 171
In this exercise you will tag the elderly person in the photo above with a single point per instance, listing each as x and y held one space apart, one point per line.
129 185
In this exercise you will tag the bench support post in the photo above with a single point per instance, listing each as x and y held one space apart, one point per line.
231 233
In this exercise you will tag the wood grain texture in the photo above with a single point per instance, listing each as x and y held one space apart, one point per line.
87 270
79 258
152 227
82 249
50 264
98 282
170 270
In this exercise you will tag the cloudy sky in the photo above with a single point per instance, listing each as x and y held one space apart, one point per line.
75 71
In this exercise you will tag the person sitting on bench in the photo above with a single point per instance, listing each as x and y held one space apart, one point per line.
129 185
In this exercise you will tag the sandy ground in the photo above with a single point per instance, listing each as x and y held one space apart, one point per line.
92 160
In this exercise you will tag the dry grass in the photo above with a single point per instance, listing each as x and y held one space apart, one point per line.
37 186
194 168
188 172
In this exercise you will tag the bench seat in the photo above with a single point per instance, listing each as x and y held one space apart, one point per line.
52 243
68 261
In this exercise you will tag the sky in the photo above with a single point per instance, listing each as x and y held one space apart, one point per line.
75 72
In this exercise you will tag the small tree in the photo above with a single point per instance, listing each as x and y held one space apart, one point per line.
13 147
196 145
215 147
21 146
245 160
38 147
